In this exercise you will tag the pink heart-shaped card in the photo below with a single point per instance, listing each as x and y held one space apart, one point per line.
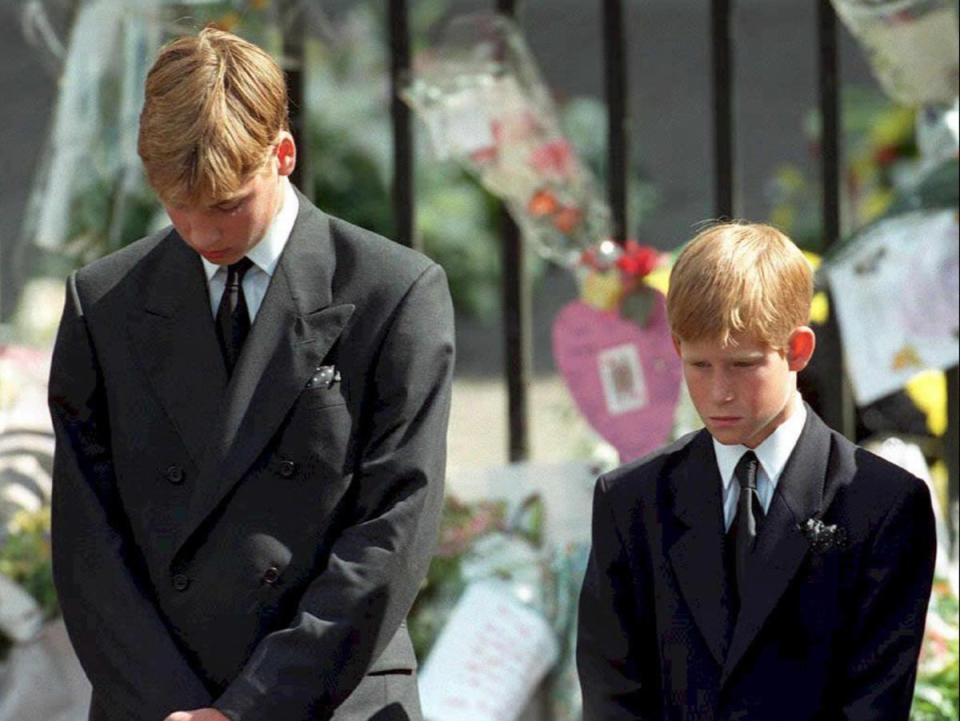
624 378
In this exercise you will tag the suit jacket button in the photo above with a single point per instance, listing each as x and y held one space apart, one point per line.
271 575
181 582
174 474
287 468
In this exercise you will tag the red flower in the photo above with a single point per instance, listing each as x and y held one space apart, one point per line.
589 258
541 203
566 219
637 260
885 155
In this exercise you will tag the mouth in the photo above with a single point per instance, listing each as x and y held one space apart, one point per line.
722 421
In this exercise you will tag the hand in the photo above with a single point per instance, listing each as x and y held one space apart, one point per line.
200 714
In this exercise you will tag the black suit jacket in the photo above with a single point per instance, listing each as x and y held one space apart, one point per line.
254 544
823 633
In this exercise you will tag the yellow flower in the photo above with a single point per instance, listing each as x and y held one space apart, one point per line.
659 278
928 390
819 308
227 21
875 205
783 216
892 127
602 290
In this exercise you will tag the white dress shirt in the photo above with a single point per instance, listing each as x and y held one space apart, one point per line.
265 256
772 454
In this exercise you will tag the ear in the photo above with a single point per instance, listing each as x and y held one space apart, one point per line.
800 347
286 153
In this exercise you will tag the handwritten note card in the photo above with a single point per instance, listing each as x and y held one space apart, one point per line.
489 658
896 290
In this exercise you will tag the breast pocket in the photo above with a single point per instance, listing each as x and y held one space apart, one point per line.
318 397
319 434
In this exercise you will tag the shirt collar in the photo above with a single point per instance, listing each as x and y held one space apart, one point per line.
266 253
773 453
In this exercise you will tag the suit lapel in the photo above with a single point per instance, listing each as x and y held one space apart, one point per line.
174 339
697 553
781 546
293 330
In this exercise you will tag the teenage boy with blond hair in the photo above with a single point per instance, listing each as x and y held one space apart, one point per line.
251 411
763 568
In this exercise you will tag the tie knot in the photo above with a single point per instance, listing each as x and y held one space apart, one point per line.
746 470
236 271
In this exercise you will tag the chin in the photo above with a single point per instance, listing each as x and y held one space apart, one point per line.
727 436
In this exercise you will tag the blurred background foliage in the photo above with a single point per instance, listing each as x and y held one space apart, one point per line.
347 148
881 155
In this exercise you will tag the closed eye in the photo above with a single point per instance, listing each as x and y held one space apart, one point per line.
229 206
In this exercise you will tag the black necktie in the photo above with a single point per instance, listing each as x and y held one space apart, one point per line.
746 523
233 318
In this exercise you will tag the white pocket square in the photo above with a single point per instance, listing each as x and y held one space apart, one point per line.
324 377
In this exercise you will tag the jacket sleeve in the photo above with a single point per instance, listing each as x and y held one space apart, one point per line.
352 609
893 595
607 659
117 632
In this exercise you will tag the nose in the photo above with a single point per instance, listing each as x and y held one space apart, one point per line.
203 233
721 390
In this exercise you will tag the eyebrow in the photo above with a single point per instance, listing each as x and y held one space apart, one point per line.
231 200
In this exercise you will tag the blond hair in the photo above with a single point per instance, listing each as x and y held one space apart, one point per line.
214 105
739 278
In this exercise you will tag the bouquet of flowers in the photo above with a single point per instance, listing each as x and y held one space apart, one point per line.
936 695
481 97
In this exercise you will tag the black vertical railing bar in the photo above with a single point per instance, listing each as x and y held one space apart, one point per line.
951 452
837 400
517 321
615 77
295 64
722 59
830 122
402 191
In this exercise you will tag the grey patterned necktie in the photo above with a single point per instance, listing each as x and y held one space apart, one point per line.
233 318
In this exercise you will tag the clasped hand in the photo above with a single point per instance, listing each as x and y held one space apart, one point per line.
200 714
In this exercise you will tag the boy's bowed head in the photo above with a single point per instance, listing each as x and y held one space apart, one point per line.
738 307
215 141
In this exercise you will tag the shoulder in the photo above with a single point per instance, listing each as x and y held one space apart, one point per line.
871 487
98 278
640 478
370 258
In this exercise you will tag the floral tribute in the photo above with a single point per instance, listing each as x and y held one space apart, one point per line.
481 97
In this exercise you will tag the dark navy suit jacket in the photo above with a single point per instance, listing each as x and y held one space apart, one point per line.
826 631
252 544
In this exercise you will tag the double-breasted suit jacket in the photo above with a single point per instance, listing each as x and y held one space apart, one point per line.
251 543
830 623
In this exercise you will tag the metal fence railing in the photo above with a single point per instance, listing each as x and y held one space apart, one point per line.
835 402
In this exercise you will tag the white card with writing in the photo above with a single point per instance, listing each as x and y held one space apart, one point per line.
897 296
489 658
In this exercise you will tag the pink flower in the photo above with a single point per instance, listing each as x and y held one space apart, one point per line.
553 158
